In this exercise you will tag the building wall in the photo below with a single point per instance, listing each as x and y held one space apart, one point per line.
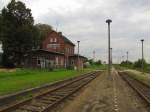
73 62
44 60
69 50
53 43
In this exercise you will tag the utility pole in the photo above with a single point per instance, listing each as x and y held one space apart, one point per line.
109 66
78 55
127 55
142 40
110 57
122 58
93 55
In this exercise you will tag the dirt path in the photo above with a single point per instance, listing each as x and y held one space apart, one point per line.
105 94
125 98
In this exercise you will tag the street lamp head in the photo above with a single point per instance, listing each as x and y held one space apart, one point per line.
108 21
142 40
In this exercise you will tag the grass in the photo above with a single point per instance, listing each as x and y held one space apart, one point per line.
145 78
137 74
23 79
146 68
97 67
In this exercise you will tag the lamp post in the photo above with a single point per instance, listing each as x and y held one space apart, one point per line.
78 55
109 66
122 58
142 40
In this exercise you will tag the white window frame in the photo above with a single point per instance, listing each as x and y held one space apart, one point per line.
55 39
51 39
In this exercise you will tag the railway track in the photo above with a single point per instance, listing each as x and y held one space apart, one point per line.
142 89
46 101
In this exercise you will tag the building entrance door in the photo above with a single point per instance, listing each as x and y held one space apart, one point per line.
42 63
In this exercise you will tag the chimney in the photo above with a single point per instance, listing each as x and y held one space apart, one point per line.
60 33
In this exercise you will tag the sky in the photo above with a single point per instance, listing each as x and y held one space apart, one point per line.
84 20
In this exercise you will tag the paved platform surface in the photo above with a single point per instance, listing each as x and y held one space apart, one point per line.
105 94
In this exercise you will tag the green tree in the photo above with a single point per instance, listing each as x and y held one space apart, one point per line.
138 63
99 62
18 33
0 25
91 61
44 30
128 64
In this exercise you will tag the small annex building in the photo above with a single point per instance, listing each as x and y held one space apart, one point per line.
77 61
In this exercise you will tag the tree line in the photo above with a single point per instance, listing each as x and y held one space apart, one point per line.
136 64
18 33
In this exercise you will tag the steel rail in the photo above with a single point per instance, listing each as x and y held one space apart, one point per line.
75 84
142 89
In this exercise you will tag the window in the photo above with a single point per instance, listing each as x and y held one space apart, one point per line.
72 62
38 61
51 39
55 39
53 46
70 51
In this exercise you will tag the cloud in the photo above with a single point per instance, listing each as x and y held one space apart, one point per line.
84 20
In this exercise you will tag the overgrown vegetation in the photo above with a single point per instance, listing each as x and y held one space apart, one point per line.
91 64
145 78
135 65
24 78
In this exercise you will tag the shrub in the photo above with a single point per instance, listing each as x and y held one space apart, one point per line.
138 63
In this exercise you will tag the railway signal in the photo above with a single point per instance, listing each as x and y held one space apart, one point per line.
109 66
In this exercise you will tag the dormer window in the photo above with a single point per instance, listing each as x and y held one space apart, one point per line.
55 39
51 39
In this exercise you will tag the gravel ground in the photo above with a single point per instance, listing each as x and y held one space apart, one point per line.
105 94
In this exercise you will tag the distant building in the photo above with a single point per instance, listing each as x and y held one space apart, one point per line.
57 52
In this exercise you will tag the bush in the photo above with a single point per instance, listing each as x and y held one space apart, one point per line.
126 64
98 62
6 62
138 64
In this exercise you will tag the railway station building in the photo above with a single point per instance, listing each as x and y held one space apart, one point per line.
57 51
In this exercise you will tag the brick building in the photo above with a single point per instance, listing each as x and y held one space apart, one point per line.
56 42
57 51
44 59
